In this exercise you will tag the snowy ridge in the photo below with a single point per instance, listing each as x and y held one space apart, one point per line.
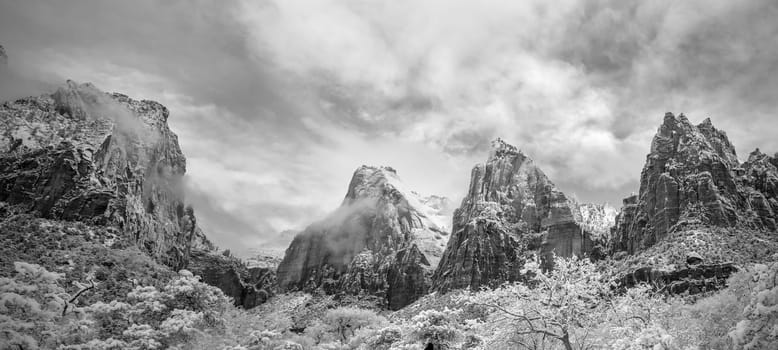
596 218
431 236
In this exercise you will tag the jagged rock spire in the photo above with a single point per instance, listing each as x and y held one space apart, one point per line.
692 176
511 210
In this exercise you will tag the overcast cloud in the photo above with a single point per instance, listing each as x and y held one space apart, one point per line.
277 102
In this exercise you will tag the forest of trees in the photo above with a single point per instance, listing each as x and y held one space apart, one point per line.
572 307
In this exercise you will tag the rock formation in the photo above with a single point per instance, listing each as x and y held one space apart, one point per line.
512 210
691 280
692 177
380 242
758 179
247 286
697 203
103 159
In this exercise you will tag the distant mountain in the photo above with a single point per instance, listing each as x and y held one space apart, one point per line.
268 258
382 241
442 209
513 210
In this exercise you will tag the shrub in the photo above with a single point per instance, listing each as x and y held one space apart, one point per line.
156 319
31 304
342 323
440 328
759 327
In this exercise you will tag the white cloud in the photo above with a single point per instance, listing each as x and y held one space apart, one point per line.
277 102
490 66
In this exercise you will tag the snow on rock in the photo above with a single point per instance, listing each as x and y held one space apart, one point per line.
692 177
512 210
696 200
384 240
596 218
80 154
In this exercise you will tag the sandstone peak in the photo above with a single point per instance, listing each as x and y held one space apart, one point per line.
371 181
511 211
383 240
80 154
500 148
677 137
692 175
86 102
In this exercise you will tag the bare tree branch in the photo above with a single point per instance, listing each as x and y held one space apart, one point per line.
78 294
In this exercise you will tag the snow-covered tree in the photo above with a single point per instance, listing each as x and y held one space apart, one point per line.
156 319
31 304
377 339
560 305
440 328
343 322
759 327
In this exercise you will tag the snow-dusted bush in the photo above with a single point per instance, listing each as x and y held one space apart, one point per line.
557 306
759 327
377 338
651 337
708 321
31 305
156 319
339 325
575 306
441 328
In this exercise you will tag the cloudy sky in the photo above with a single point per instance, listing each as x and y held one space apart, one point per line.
276 102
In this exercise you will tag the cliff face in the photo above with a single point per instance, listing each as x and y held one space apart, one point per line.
248 286
103 159
692 177
382 241
511 210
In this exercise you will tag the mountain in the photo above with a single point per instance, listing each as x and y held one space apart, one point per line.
382 241
108 171
700 213
511 211
83 155
692 178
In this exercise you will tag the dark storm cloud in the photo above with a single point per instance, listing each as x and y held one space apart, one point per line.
192 48
276 102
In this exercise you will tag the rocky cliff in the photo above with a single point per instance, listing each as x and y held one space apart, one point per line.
80 154
512 210
692 177
691 280
382 242
248 286
697 203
